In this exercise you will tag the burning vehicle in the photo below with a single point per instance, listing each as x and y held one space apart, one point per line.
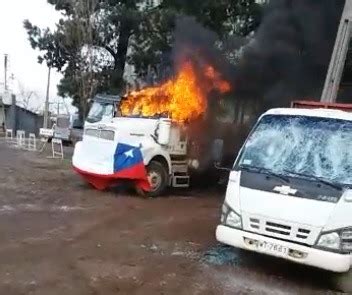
150 140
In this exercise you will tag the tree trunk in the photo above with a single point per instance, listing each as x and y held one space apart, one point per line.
121 54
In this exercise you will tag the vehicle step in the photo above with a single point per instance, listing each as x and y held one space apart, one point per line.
180 181
179 168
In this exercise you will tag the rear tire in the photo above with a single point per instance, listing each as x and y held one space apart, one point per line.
343 282
158 179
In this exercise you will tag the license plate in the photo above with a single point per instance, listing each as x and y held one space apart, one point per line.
271 248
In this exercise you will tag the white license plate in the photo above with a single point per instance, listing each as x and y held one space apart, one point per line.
271 248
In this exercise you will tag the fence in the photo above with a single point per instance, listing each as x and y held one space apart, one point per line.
20 141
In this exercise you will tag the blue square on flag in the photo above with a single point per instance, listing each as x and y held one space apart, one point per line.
126 156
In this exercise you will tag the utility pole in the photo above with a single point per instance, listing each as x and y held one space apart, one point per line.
5 70
46 107
338 58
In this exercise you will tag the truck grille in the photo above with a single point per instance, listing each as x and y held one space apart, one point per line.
104 134
283 230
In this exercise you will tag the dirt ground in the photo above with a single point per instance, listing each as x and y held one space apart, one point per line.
59 236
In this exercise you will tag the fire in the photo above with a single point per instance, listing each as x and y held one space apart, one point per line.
221 85
183 98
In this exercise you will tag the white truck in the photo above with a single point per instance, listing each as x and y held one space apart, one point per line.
289 192
162 143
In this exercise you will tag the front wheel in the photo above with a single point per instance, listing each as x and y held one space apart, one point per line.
158 179
343 282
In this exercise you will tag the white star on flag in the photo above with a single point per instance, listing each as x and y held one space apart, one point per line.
129 154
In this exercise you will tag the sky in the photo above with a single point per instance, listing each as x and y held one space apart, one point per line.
22 58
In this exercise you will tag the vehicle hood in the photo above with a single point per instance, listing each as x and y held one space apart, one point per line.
299 201
285 207
134 126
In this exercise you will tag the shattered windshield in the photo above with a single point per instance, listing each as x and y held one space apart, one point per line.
317 147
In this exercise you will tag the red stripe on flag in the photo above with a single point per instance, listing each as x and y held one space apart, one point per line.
136 173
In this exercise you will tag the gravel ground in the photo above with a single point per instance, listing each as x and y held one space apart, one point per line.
59 236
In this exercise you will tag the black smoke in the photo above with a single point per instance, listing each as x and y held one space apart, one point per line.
286 59
290 53
202 47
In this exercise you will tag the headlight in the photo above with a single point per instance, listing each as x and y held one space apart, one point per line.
340 240
234 220
330 241
230 218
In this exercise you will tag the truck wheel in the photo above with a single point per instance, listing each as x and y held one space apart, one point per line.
158 179
343 282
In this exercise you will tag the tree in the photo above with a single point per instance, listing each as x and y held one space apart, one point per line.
153 43
225 17
95 38
27 99
89 45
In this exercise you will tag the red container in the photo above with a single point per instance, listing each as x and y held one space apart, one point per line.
302 104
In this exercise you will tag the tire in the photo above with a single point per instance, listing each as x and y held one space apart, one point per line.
158 172
343 282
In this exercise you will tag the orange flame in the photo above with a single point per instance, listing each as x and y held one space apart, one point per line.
183 98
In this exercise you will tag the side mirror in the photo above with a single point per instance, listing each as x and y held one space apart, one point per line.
163 131
217 150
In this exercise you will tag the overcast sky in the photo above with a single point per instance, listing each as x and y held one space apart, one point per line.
13 41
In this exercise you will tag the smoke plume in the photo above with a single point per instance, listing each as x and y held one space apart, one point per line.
290 53
286 59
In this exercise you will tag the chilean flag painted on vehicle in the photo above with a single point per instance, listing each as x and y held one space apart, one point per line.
128 164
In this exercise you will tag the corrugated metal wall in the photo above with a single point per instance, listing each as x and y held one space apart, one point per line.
21 119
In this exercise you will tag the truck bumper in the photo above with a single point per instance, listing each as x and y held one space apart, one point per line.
294 252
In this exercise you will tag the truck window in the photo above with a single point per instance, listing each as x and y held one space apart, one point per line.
319 147
100 111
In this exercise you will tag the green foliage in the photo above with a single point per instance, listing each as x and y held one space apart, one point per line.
225 17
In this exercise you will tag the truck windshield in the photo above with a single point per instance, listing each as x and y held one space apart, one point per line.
100 111
300 145
139 114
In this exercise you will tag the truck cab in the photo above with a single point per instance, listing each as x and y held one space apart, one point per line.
163 145
103 108
289 192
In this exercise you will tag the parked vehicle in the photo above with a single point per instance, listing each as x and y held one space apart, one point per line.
76 129
62 127
68 128
289 192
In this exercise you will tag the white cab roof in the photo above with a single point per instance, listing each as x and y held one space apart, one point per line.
322 113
